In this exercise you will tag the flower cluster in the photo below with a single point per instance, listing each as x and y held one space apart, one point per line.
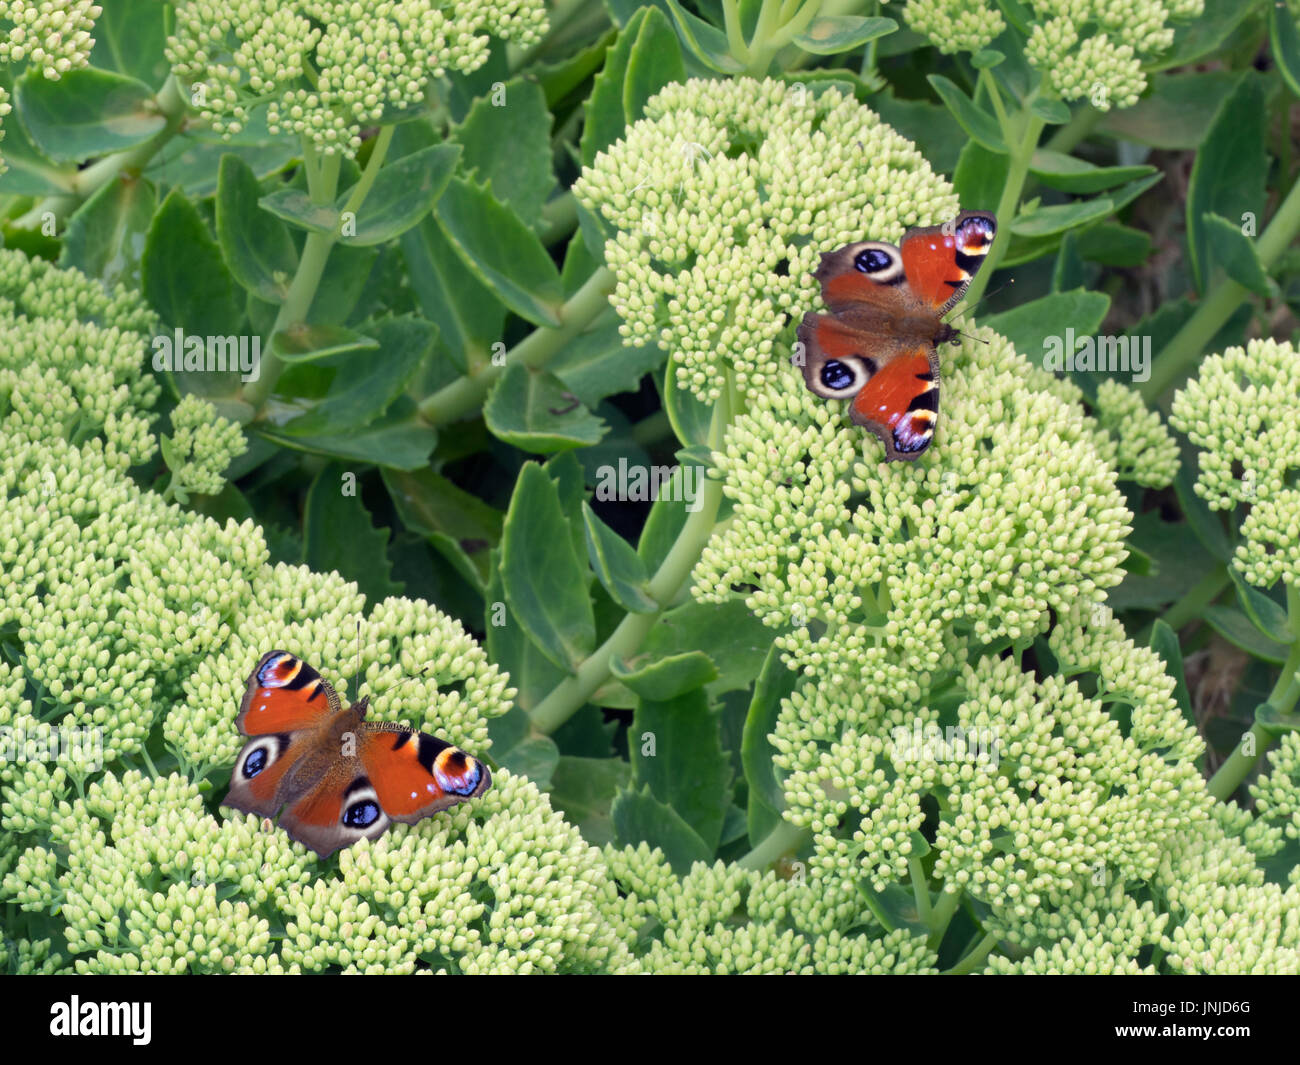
720 201
135 622
970 721
1277 803
146 879
200 448
328 68
726 919
1240 411
1226 916
53 35
1092 48
1141 449
503 885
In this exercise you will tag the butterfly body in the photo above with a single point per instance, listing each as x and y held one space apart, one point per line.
879 343
336 776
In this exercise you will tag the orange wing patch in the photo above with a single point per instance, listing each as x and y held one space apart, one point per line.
899 404
415 774
285 694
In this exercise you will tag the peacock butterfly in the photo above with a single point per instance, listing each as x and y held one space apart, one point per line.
879 344
338 776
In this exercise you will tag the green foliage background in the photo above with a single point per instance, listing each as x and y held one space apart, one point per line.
471 301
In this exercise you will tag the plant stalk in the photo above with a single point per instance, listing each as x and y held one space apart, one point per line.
573 692
466 394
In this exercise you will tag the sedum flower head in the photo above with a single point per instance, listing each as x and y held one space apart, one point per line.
1083 48
1277 802
1142 449
202 445
1240 411
1013 513
136 622
70 360
955 25
726 919
328 68
1225 916
720 200
503 885
53 35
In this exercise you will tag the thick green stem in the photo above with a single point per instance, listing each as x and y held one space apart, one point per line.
976 957
1198 597
1021 132
783 839
323 185
760 47
941 916
1186 348
377 155
920 889
1283 699
322 182
795 26
559 218
735 36
466 394
573 692
1077 130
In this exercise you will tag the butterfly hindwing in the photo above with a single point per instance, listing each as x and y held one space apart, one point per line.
341 808
900 404
256 780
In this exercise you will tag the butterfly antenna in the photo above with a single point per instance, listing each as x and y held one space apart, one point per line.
967 310
403 680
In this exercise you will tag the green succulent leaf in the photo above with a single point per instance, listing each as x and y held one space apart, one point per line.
545 584
86 113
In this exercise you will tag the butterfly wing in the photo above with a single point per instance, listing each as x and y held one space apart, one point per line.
391 775
893 381
900 403
337 777
258 779
284 694
939 261
339 809
286 703
416 774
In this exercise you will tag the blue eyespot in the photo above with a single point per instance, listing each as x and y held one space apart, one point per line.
255 762
872 260
835 375
361 814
